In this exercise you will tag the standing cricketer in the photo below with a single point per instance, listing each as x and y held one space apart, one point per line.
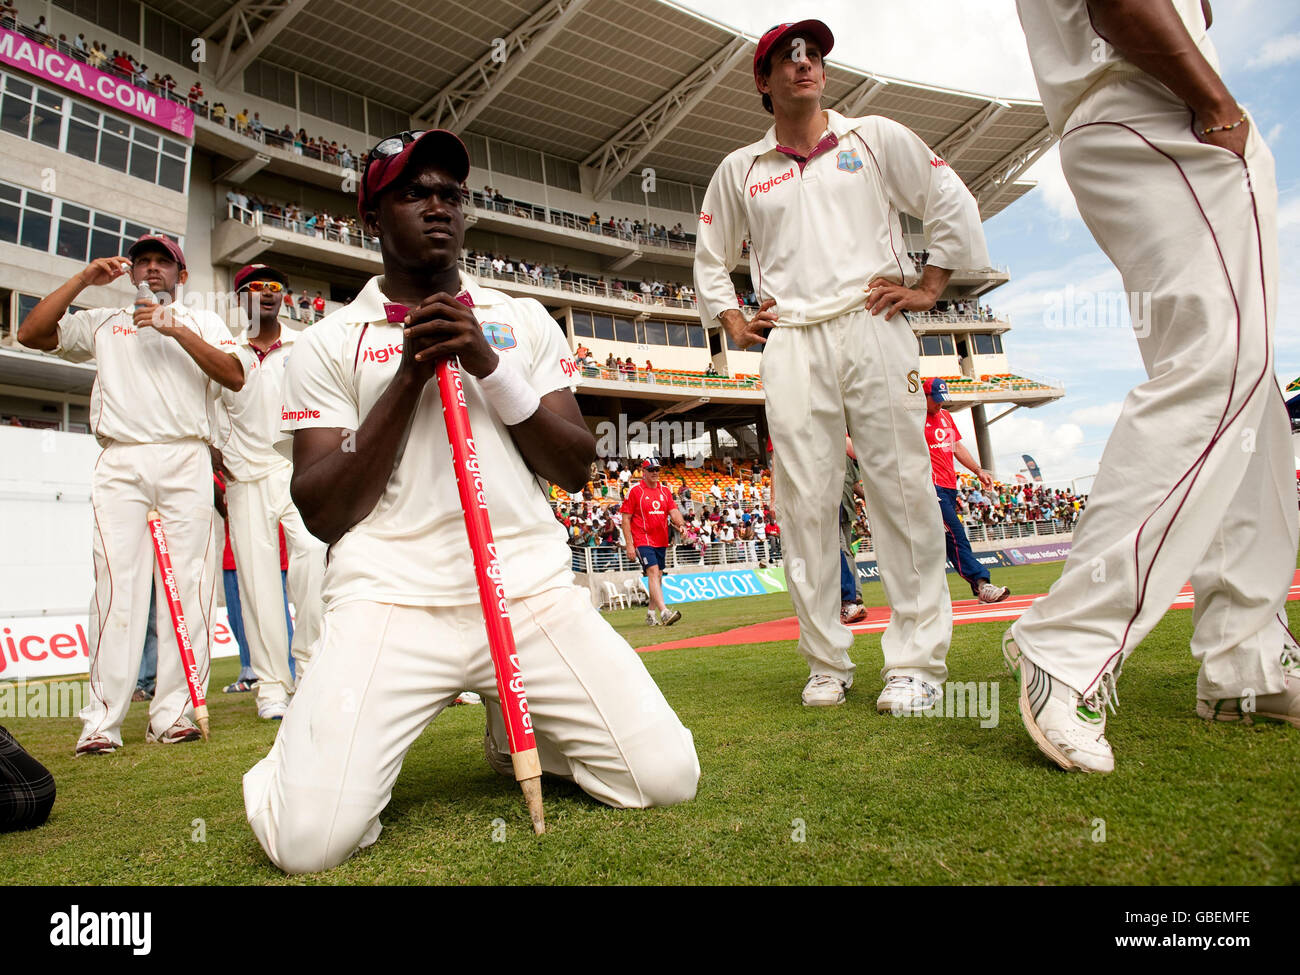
402 632
646 513
159 368
819 197
257 497
944 440
1197 479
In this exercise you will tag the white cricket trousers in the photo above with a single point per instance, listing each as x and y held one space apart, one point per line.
128 480
381 673
1197 480
257 509
858 372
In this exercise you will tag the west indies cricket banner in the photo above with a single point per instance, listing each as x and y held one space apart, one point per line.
50 646
67 72
1004 557
704 586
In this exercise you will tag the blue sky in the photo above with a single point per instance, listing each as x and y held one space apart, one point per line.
1041 237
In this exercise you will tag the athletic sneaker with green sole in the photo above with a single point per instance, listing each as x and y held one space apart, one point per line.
1067 727
1283 707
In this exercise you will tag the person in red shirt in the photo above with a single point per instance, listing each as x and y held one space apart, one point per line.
646 511
944 440
318 306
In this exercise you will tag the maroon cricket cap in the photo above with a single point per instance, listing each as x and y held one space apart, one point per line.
172 248
435 144
814 29
259 272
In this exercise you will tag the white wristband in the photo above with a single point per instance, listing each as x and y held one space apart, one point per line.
509 393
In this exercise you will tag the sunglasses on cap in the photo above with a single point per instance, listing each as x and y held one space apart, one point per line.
393 145
274 287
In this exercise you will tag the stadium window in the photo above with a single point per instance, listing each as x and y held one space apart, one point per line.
582 325
604 326
732 345
477 146
16 112
563 174
172 165
47 119
985 344
656 332
930 345
946 346
37 216
83 137
74 232
677 335
144 155
114 143
997 344
167 37
10 210
696 337
624 330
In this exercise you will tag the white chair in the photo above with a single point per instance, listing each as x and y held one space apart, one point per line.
613 597
635 594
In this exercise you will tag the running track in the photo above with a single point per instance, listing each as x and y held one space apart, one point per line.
965 611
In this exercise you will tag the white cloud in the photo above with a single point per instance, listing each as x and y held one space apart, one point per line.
1101 415
929 42
1273 133
1055 191
1277 50
1288 212
1055 446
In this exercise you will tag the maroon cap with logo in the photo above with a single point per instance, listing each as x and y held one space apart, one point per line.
435 144
814 29
159 242
259 272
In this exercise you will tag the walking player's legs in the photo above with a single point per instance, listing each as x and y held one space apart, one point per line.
1195 239
886 419
805 417
956 542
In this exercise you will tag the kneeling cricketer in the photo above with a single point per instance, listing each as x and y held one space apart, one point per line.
402 632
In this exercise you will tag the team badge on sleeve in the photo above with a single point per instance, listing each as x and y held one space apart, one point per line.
499 335
849 161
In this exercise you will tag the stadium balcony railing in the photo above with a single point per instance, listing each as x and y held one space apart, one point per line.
671 377
581 285
954 318
573 221
596 559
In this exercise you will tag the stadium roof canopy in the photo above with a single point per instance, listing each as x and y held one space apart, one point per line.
614 84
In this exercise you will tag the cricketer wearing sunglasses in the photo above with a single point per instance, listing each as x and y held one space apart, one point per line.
402 631
258 501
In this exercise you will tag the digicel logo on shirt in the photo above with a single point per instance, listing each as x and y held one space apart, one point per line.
768 184
393 351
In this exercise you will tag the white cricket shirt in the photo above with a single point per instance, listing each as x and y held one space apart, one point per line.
820 234
250 419
412 549
147 388
1070 59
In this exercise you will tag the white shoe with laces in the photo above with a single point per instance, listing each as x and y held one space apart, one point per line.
908 695
651 619
990 593
1067 727
823 691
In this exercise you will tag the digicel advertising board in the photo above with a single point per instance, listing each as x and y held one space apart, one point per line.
52 646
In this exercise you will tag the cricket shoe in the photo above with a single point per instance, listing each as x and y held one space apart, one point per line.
989 593
908 695
467 697
95 745
651 619
823 691
274 711
182 731
139 695
499 760
852 613
1011 653
1284 706
1067 727
240 686
669 616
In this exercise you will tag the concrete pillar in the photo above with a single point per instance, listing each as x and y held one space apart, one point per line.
982 442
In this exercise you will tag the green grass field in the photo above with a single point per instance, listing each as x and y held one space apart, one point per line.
880 799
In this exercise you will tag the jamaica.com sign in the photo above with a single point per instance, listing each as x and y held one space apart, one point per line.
703 586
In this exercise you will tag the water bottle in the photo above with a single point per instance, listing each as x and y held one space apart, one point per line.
142 293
